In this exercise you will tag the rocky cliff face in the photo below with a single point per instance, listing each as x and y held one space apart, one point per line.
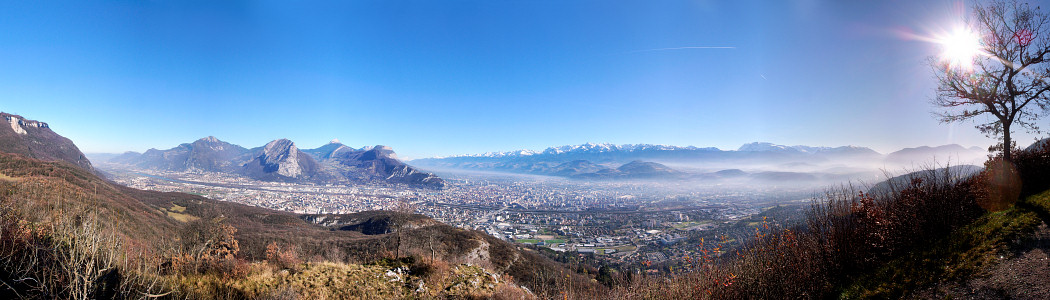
281 158
373 163
36 140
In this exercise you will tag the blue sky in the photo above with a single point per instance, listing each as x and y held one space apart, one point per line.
450 77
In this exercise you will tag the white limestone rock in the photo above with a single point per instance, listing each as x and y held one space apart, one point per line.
15 125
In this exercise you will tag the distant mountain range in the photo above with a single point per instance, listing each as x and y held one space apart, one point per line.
281 160
611 151
609 161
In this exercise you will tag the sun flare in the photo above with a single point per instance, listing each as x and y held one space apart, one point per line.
960 48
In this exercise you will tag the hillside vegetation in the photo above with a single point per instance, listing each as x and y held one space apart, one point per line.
65 233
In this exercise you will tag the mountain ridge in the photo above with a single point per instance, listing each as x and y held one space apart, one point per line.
35 139
748 147
282 160
552 161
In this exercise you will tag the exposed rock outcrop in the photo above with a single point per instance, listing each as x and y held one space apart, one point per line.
36 140
280 159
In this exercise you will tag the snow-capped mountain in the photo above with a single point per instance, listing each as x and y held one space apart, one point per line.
770 147
583 148
766 147
573 160
606 147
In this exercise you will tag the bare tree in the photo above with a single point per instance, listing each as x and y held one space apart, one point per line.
403 212
1008 76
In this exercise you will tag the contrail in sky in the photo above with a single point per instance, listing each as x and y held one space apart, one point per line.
679 48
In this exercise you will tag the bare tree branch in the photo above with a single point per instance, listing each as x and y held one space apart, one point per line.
1005 81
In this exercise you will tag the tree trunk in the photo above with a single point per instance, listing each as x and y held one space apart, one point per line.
1007 145
432 252
397 252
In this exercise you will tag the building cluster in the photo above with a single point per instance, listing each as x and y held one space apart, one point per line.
615 221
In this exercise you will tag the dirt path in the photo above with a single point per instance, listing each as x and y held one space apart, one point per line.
1023 273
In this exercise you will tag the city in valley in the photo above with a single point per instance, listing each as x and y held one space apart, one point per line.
603 222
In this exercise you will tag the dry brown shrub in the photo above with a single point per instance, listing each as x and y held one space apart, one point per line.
282 257
511 292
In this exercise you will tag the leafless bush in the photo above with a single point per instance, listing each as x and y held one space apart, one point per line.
282 257
208 245
52 246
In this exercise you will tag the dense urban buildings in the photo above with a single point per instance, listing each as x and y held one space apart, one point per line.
616 221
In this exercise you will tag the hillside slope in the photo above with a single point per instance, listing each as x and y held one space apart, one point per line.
50 193
35 139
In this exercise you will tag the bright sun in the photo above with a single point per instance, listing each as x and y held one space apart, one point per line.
960 48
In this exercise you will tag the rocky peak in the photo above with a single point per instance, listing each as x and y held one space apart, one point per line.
279 149
211 142
331 150
379 152
385 151
284 155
